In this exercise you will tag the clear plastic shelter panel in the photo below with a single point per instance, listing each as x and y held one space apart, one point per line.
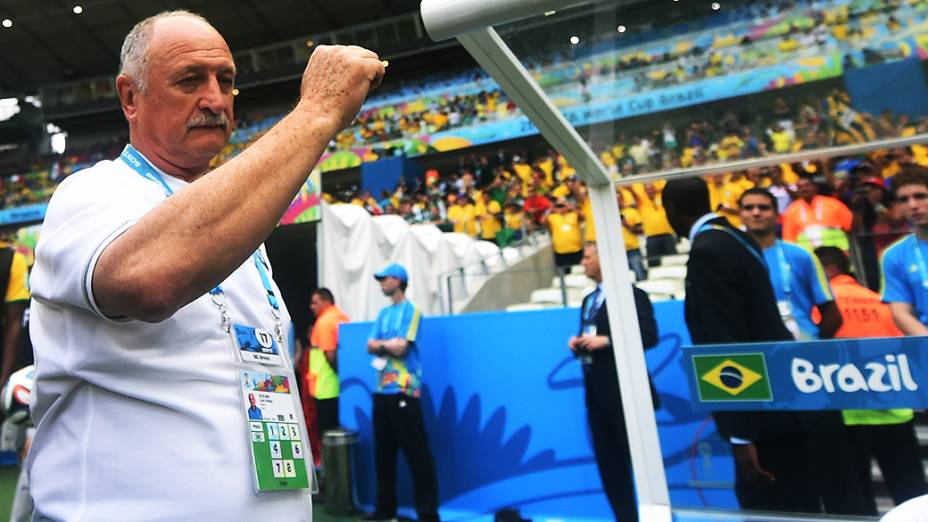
664 86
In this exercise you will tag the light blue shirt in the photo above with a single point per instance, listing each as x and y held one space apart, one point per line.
798 278
400 375
905 276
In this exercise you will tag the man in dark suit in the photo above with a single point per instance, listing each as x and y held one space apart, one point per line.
784 461
593 346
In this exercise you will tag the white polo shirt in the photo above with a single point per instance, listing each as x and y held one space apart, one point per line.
137 421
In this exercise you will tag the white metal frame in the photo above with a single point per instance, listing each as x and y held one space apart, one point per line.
445 18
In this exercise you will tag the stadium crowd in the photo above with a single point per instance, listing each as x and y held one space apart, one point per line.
500 197
395 119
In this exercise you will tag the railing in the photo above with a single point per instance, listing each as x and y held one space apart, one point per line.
446 280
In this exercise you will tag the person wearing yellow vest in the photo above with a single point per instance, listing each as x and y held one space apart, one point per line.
566 240
322 375
659 238
885 435
814 220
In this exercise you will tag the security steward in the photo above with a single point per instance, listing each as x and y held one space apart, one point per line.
888 436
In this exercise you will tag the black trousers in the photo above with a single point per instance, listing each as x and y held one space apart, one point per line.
568 260
658 246
793 490
813 469
327 414
398 425
610 445
895 448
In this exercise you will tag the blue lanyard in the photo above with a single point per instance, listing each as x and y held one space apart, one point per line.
920 260
720 228
142 167
785 274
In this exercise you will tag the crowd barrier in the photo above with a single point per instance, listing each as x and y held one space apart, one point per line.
504 409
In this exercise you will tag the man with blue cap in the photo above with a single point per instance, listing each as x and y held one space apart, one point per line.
398 420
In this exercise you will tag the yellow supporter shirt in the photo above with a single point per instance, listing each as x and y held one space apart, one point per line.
524 172
780 141
589 227
489 223
920 155
631 218
560 191
547 167
653 218
514 219
463 218
17 289
565 232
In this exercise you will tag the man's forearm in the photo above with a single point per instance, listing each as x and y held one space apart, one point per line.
906 321
200 235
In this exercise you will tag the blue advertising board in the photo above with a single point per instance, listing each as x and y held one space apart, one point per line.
810 375
504 411
25 214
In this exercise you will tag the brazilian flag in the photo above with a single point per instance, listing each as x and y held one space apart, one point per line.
732 377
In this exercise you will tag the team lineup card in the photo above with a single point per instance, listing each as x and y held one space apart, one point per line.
276 442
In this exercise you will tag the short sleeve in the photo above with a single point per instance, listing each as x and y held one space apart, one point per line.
88 211
375 329
894 287
17 289
411 324
327 338
817 281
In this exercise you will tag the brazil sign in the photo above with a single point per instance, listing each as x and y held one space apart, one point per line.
844 374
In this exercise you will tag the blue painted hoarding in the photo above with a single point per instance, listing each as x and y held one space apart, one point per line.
504 409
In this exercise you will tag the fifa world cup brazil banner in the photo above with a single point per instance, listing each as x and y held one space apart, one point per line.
812 375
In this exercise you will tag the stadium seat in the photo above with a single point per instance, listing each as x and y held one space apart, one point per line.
676 260
571 281
672 287
667 272
546 295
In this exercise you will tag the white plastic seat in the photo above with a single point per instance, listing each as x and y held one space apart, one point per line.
667 272
675 260
546 295
672 287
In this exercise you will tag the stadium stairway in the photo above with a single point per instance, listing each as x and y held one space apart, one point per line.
353 246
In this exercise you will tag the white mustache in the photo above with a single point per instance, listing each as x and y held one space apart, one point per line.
208 119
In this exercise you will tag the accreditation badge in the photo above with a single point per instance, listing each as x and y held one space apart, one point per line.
256 345
278 447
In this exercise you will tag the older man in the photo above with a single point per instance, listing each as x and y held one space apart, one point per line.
153 295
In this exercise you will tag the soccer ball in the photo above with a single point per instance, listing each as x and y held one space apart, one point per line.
15 394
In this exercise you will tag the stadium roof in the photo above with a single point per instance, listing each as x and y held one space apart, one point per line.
49 42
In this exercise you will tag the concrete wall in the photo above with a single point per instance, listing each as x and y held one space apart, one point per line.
515 284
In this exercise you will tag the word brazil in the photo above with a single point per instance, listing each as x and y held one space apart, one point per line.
849 378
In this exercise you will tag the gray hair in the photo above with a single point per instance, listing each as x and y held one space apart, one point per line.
133 58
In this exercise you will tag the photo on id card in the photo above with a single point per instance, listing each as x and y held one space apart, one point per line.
277 443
